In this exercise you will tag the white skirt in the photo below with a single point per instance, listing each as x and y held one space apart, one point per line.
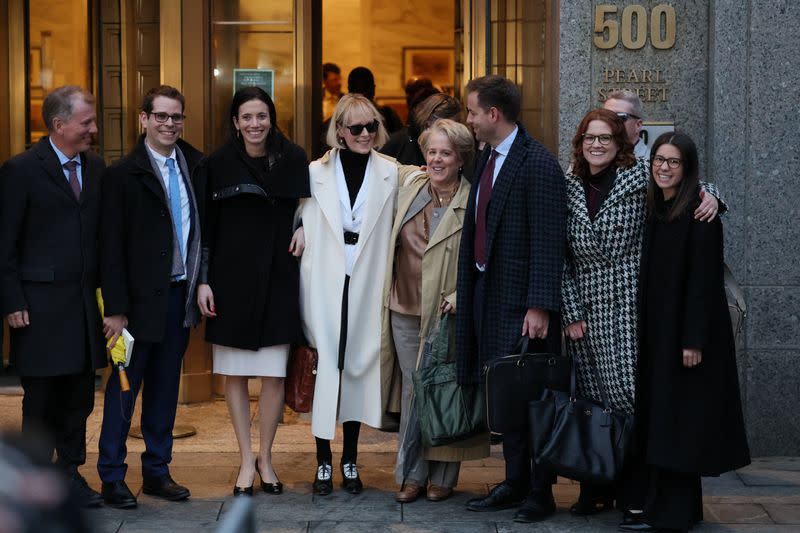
269 361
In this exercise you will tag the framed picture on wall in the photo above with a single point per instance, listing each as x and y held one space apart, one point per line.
435 63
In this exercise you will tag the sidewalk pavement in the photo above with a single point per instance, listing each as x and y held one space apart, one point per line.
764 497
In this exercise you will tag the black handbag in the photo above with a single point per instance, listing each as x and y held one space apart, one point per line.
579 438
514 380
447 412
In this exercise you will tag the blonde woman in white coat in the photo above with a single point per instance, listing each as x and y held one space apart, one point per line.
347 224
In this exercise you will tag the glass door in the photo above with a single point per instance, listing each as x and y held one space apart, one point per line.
253 43
59 53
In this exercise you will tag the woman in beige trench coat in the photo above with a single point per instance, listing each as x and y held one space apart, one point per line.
420 285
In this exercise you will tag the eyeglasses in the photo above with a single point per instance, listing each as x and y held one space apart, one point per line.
589 139
356 129
161 118
672 162
625 116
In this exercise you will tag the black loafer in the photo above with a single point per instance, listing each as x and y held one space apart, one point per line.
536 511
85 495
502 496
351 482
165 487
117 494
323 481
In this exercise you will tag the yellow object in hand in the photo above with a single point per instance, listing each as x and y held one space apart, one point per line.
119 352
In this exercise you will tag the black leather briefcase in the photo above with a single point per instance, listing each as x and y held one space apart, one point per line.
514 380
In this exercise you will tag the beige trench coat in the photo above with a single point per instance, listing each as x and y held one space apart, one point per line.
357 393
439 272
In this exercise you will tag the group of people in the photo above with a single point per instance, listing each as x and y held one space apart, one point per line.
360 255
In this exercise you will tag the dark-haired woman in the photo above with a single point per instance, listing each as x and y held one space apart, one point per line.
249 288
688 406
606 202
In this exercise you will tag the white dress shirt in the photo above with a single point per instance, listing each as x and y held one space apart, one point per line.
186 219
352 217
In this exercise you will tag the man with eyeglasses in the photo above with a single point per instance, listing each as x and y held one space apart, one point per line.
150 251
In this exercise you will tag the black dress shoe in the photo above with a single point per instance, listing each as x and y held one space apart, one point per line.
86 496
591 505
536 510
269 488
636 525
117 494
350 479
323 481
165 487
502 496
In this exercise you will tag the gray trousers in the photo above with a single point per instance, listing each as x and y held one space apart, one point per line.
405 333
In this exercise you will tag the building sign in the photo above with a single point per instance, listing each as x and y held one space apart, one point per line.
634 28
254 77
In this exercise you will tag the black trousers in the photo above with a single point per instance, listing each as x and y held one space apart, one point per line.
58 406
522 473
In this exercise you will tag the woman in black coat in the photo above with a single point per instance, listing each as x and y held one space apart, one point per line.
689 409
249 288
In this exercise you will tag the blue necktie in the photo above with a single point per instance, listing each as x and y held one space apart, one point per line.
175 203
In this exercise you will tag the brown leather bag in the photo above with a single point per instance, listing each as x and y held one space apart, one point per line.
301 375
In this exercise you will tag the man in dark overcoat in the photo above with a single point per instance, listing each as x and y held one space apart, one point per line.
49 216
150 245
510 267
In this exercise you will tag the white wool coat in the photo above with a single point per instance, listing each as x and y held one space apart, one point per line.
355 393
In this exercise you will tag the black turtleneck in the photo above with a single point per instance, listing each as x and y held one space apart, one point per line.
354 166
597 187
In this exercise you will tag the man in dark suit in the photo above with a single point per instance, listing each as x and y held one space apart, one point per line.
150 245
509 274
49 216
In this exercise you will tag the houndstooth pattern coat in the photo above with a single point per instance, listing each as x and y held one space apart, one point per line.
601 282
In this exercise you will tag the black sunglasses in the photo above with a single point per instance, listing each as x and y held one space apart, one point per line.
625 116
356 129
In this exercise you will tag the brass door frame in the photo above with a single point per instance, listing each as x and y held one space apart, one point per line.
17 77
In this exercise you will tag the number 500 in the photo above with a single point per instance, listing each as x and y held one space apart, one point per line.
662 27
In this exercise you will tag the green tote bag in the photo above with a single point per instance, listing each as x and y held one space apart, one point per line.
447 412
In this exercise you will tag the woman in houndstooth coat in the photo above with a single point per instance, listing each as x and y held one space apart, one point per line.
606 203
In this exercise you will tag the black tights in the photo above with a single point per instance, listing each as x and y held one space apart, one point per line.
350 445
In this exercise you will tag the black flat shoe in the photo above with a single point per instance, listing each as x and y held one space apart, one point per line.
116 494
270 488
502 496
351 482
165 487
323 481
590 506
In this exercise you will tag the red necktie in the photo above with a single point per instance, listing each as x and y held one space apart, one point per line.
73 178
484 194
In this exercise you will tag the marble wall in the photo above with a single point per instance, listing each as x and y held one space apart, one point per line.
733 85
372 33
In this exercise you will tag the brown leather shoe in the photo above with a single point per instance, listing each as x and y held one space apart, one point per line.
409 493
437 493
